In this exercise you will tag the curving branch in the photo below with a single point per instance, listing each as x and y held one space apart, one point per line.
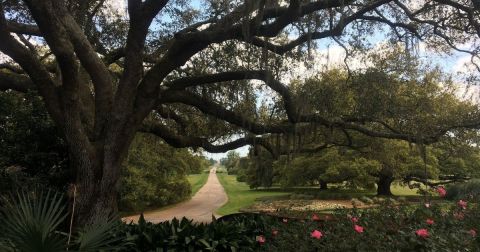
17 82
33 67
263 75
214 109
178 141
26 29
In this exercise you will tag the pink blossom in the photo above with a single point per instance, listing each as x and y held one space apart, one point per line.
274 232
427 205
358 229
316 234
441 191
315 217
422 233
473 232
429 221
261 239
285 220
462 204
354 219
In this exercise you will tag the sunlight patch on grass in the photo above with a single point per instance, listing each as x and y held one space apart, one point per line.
240 195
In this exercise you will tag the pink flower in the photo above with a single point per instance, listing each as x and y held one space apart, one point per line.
422 233
315 217
316 234
358 229
429 221
427 205
261 239
473 232
441 191
274 232
285 220
354 219
462 204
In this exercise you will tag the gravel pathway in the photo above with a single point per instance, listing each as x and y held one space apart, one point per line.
199 208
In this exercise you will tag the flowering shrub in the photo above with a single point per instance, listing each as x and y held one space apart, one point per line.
386 228
389 227
469 190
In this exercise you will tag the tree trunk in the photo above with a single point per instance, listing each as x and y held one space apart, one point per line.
96 186
323 185
383 185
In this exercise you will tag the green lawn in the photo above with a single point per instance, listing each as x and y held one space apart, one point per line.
402 190
197 181
240 195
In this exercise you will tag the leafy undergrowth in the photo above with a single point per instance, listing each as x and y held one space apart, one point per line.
430 227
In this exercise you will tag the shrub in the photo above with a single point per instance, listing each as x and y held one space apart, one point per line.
467 190
386 228
366 200
32 221
154 175
238 234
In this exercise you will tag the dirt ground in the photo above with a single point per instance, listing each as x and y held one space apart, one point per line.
200 208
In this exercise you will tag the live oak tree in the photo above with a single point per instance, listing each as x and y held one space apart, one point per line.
103 76
392 92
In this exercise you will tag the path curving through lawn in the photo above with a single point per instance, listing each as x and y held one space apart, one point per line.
199 208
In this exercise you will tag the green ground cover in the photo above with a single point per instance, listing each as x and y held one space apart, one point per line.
240 195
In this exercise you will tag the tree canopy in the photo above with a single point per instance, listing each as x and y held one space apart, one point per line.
189 71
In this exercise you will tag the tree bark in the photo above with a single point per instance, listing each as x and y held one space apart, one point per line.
323 185
96 195
383 185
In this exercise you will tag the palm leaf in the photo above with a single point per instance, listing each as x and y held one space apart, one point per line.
101 235
29 222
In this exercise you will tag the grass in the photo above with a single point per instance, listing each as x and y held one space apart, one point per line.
197 181
402 190
240 195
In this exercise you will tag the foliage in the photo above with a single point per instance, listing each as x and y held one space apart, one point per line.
412 97
31 223
468 190
240 195
185 70
390 227
231 161
154 174
184 235
35 222
32 151
387 228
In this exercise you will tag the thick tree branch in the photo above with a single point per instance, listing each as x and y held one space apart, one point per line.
33 67
17 82
95 67
198 142
218 111
23 28
263 75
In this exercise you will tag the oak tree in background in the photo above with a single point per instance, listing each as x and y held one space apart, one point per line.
182 73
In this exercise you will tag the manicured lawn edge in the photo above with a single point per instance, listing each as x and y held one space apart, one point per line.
240 195
197 181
